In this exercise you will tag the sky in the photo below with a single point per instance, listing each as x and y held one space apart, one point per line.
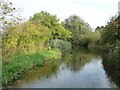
94 12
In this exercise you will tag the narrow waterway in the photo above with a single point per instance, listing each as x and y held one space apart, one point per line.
78 69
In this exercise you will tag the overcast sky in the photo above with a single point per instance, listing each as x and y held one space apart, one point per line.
94 12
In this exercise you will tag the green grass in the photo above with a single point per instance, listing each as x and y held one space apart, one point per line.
20 64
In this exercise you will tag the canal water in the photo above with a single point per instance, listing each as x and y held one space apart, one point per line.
77 69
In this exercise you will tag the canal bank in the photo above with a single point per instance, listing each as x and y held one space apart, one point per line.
22 63
78 69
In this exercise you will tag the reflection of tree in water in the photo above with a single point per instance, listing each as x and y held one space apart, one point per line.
112 70
38 73
45 71
78 58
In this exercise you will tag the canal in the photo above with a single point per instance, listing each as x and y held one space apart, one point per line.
78 69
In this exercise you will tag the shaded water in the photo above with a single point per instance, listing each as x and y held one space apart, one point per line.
79 69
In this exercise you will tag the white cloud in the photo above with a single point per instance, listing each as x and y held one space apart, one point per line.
95 12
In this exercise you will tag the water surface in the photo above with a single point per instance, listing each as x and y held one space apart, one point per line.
78 69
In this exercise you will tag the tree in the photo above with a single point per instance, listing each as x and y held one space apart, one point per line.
110 41
79 29
51 21
29 37
7 14
111 32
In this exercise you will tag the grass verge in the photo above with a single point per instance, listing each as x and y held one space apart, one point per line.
21 63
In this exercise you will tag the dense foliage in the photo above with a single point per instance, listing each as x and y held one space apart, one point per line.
111 33
110 43
110 36
33 35
51 21
28 37
81 31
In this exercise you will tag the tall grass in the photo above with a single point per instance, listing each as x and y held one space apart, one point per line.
21 63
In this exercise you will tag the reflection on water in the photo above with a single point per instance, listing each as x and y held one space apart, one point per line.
112 70
78 69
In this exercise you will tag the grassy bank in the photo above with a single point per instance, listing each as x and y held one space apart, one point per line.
21 63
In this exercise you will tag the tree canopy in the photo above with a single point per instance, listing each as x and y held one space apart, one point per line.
52 22
80 30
